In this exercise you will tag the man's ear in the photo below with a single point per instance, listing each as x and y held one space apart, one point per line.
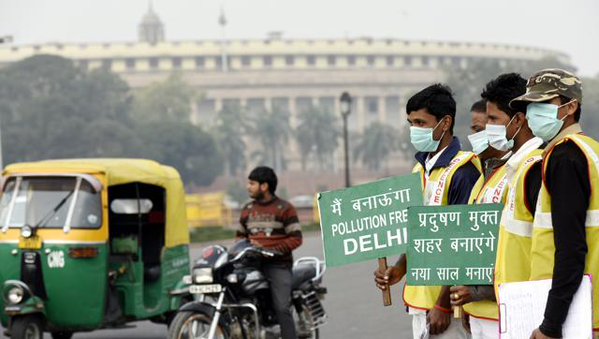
448 120
572 107
264 187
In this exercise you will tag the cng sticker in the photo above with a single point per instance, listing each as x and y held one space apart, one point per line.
56 259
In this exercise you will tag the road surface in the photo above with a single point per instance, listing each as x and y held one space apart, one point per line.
353 304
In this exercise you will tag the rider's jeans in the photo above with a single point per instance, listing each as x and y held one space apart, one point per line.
279 277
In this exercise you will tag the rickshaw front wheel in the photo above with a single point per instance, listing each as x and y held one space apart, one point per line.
62 335
27 327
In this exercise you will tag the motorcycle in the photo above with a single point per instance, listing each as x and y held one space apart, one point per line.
232 298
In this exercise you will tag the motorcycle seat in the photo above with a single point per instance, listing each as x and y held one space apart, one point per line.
302 274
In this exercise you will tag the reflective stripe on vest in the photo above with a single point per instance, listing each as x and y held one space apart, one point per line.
436 192
543 245
493 192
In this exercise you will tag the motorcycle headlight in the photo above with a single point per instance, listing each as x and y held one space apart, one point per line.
233 278
202 275
15 295
26 232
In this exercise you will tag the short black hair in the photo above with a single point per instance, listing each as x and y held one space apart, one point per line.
436 99
264 174
503 89
479 106
564 100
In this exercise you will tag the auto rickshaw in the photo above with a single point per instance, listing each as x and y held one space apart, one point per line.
90 243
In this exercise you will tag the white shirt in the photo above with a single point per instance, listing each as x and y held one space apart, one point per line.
431 161
517 158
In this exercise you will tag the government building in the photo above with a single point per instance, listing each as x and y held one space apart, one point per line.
289 74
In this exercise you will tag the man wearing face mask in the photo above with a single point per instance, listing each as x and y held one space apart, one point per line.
520 175
565 224
490 157
448 177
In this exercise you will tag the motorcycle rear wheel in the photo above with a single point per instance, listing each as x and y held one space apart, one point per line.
190 325
304 326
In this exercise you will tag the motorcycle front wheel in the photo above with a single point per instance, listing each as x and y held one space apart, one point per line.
190 325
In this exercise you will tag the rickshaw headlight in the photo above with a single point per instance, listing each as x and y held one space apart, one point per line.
202 275
26 232
15 295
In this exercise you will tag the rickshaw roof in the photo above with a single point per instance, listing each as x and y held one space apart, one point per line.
118 171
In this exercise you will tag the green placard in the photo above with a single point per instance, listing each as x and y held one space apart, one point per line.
452 245
368 221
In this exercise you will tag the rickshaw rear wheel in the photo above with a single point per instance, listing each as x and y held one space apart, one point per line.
27 327
62 335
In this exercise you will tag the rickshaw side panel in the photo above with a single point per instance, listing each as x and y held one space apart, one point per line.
147 300
10 269
81 283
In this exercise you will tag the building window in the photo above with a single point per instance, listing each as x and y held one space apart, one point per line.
200 62
390 61
372 105
289 60
425 61
107 64
311 60
267 60
130 63
246 60
407 61
331 60
153 63
370 60
177 63
351 60
83 64
280 104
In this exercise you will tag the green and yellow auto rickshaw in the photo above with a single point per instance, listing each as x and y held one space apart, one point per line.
90 243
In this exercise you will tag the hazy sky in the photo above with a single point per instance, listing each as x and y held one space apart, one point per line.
569 26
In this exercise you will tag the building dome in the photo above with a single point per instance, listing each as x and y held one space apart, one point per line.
151 28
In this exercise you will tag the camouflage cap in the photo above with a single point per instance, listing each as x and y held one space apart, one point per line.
548 84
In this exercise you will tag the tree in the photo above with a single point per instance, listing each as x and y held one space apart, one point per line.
168 100
229 133
51 109
317 133
375 145
188 148
590 106
271 129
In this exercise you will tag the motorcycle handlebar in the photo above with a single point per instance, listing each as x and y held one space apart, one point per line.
261 251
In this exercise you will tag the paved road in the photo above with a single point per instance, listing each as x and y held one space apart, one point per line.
353 304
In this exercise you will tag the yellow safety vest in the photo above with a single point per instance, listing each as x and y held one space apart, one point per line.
436 192
542 255
514 242
493 192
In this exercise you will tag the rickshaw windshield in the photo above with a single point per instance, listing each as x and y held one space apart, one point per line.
50 202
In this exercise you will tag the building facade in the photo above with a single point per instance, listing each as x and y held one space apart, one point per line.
289 74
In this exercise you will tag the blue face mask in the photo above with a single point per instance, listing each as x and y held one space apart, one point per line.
479 141
422 138
543 121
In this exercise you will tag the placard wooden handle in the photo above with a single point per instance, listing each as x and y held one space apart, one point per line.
387 291
458 312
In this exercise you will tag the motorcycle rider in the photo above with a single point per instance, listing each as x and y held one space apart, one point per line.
271 223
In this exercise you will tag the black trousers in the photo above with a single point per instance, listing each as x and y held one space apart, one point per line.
279 276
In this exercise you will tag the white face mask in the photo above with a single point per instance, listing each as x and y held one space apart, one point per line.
479 141
498 136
